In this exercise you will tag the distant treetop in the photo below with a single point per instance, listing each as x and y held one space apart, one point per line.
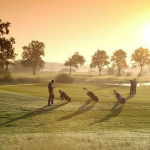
4 27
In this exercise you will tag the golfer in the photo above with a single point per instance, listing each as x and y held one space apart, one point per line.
51 95
134 86
131 87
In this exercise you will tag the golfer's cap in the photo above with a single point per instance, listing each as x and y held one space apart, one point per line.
53 81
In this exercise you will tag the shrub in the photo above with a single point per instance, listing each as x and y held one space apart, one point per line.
67 70
128 74
6 76
110 71
139 75
92 70
63 78
123 73
29 80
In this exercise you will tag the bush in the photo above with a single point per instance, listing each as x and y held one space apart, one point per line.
139 75
67 70
123 73
110 71
128 74
29 80
92 70
6 76
63 78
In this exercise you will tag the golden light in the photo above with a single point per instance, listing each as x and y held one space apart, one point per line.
147 34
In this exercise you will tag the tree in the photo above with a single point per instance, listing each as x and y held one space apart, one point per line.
7 51
119 60
31 56
75 61
4 27
99 59
141 57
17 67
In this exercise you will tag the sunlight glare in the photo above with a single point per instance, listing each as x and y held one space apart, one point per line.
147 34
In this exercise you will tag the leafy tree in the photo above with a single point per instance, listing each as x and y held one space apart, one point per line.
119 60
99 59
75 61
4 27
7 51
31 56
17 67
141 57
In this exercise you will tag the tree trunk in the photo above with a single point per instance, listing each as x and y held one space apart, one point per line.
70 70
141 70
100 70
119 74
2 62
33 69
2 66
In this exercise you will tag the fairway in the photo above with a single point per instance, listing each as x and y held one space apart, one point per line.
24 110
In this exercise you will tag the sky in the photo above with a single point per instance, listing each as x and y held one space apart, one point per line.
68 26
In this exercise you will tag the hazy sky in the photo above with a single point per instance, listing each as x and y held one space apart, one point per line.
67 26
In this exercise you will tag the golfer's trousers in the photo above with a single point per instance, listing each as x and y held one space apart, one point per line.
50 97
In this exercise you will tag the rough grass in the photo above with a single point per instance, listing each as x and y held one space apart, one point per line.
76 141
79 77
27 123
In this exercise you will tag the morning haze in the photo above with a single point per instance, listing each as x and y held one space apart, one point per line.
74 74
66 26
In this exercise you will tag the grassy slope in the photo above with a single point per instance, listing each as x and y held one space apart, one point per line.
29 114
134 115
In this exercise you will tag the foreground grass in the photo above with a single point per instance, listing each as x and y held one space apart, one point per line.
76 141
27 123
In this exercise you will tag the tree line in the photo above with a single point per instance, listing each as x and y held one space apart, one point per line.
32 56
140 57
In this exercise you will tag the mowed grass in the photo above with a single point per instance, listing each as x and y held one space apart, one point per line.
25 118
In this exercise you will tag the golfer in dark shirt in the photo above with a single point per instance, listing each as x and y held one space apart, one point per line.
134 86
51 95
131 87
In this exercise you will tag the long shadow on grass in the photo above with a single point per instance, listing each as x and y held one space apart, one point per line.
115 106
81 110
114 113
129 97
36 112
